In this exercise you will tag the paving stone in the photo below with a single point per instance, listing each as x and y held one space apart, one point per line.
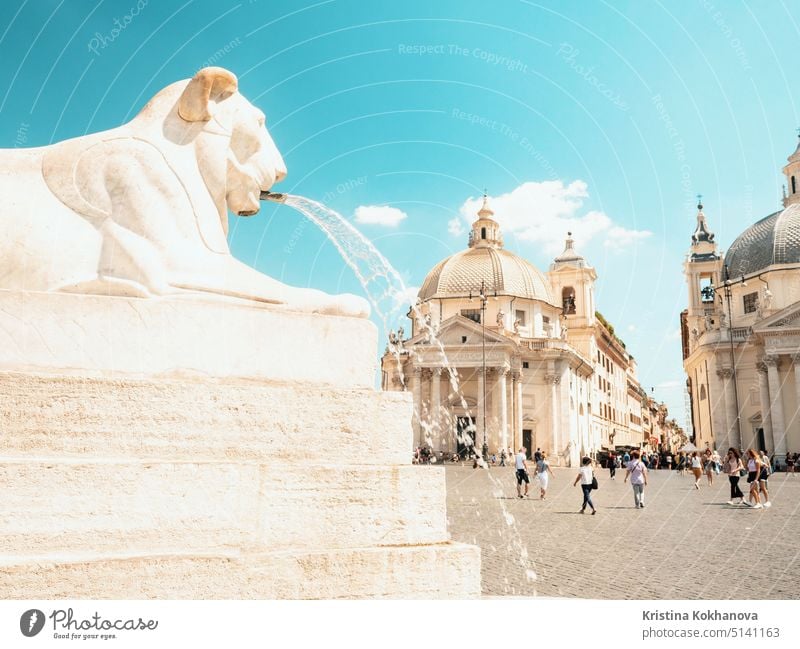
682 545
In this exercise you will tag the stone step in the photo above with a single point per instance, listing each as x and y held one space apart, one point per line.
446 570
151 508
200 419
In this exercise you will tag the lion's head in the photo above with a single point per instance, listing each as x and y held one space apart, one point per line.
235 153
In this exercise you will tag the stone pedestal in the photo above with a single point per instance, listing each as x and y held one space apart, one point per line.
180 449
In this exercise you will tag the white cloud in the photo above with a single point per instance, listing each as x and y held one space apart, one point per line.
389 217
619 238
543 213
455 226
670 385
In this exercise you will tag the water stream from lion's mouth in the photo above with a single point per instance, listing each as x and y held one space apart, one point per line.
388 294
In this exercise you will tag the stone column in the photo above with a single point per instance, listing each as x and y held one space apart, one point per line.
503 408
763 394
435 407
776 409
719 410
518 410
796 367
554 380
416 390
481 419
729 386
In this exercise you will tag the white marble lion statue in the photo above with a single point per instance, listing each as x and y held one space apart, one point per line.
142 210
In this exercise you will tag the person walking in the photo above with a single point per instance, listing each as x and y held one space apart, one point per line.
521 465
611 463
681 464
637 472
717 460
733 465
542 470
763 476
753 471
790 462
709 467
503 457
586 476
697 468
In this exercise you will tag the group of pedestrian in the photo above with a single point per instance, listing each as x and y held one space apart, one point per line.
757 469
543 473
756 466
635 470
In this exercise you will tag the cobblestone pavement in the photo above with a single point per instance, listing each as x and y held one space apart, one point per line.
685 544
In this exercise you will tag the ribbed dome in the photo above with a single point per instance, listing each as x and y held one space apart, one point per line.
502 271
772 240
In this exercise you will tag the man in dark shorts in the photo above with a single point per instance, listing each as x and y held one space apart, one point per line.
522 472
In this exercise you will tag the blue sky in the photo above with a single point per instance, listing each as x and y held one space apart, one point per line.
605 118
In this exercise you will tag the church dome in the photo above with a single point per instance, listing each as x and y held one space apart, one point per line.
485 260
773 240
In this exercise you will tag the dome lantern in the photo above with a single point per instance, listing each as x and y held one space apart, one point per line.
485 230
792 173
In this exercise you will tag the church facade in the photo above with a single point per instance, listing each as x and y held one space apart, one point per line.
741 331
502 355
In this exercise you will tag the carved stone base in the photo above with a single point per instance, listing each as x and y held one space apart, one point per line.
155 480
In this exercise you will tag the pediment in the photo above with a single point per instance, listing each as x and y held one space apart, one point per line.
786 318
455 328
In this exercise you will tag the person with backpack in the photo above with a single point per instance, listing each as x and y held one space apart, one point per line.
637 472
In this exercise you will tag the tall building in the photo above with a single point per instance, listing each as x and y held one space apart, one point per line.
741 331
503 355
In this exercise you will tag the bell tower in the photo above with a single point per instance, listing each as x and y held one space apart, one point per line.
702 270
572 280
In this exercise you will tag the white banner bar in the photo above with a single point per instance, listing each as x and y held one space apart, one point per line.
416 624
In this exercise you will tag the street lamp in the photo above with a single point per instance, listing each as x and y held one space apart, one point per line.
483 299
726 286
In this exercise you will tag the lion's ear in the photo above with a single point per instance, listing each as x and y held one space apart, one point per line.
207 84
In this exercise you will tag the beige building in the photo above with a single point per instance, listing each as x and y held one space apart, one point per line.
505 355
741 331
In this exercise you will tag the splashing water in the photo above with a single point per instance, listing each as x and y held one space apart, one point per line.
387 293
383 286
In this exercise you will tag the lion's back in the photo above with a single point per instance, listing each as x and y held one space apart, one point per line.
44 244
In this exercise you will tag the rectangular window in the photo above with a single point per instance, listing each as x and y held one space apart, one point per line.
750 302
525 365
520 316
472 314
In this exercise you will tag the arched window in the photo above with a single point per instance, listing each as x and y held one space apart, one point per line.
483 233
794 187
702 392
568 300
